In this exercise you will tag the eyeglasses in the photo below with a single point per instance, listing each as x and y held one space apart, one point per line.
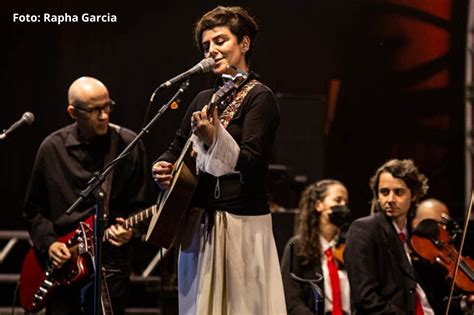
107 108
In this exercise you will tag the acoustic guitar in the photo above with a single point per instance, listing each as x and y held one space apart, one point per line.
173 203
38 278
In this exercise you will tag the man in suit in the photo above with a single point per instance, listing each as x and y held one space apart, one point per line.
380 272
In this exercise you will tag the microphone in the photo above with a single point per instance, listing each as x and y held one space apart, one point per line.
203 66
27 118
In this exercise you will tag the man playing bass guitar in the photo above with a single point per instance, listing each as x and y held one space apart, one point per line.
66 160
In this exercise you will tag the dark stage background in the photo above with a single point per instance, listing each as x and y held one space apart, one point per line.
400 66
359 82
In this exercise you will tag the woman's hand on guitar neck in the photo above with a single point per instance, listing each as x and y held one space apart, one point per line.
117 234
161 172
58 254
203 127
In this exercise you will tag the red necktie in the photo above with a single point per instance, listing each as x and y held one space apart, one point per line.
335 286
418 307
402 238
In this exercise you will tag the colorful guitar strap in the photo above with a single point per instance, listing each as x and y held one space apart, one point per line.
234 106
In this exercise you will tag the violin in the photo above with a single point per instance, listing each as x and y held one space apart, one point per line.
431 241
341 217
338 250
337 253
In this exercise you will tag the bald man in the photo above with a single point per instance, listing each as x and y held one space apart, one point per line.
433 276
86 94
66 160
430 209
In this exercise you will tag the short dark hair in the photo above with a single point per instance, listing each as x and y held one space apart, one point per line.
237 19
406 171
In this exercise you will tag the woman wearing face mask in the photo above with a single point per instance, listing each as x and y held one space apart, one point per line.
323 214
229 263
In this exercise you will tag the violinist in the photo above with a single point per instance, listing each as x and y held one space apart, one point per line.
323 214
430 209
432 275
380 272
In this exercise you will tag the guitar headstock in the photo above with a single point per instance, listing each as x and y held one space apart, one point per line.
221 96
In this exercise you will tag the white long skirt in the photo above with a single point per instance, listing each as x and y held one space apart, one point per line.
231 268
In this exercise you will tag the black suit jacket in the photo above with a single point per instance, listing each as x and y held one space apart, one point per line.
381 278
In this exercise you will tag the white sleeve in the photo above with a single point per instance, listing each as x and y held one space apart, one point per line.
221 158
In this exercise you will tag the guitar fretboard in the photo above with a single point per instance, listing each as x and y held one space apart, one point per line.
140 216
105 296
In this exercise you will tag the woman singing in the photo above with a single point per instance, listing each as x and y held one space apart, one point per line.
230 264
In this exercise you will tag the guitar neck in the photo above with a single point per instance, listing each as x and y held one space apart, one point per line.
140 216
106 303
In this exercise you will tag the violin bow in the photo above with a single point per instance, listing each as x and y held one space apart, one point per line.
458 258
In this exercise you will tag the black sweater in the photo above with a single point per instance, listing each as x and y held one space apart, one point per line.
253 127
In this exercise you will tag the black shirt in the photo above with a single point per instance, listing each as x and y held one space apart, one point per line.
299 297
253 127
64 164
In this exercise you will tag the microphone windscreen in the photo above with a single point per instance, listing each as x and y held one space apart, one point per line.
207 64
28 118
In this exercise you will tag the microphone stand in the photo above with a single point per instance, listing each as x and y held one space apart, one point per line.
94 186
311 282
99 224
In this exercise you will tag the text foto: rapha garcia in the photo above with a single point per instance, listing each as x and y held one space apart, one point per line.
64 18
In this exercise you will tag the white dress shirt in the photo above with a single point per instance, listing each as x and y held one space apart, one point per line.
343 280
427 310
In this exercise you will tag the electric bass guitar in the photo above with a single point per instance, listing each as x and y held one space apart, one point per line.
173 203
38 278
